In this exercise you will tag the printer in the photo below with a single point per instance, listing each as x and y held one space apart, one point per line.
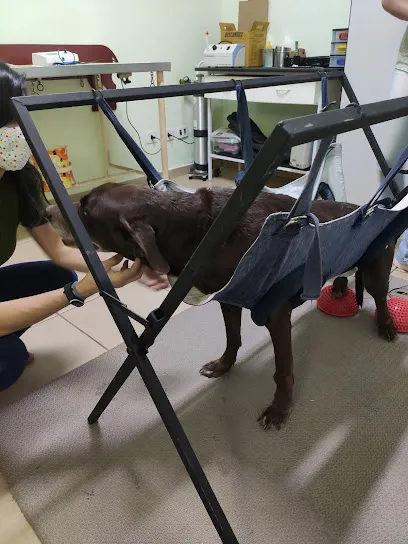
230 55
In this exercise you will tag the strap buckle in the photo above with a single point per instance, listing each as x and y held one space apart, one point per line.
295 220
369 211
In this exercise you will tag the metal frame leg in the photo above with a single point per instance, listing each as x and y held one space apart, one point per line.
137 357
176 433
209 144
285 135
110 392
372 140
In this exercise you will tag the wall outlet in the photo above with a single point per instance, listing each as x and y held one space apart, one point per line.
150 138
179 132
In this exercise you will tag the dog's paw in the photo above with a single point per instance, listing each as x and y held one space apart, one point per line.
215 369
388 331
273 416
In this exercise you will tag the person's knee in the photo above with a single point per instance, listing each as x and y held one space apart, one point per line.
13 360
54 276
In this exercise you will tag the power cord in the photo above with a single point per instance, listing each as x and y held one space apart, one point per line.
137 132
398 290
176 138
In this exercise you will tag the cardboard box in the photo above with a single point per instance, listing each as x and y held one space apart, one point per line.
302 52
250 11
254 40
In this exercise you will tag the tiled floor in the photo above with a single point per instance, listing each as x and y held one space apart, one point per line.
61 343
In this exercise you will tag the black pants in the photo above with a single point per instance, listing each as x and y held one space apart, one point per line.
20 281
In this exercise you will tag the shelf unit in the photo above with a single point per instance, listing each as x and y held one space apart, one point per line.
241 161
291 94
99 74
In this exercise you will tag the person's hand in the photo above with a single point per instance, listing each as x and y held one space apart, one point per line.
119 278
154 280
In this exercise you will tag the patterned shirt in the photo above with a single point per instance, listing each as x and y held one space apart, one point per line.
402 61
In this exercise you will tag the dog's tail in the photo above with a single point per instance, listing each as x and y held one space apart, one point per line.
359 288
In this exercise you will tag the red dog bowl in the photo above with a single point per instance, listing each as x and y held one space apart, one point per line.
398 308
346 306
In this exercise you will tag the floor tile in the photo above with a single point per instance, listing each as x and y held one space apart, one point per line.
14 528
94 318
58 348
401 274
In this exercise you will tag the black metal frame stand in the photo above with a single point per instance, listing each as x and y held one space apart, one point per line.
286 135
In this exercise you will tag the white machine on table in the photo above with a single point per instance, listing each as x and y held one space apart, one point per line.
50 58
225 54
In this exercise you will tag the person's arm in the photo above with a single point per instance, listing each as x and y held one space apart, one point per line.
397 8
53 246
24 312
68 257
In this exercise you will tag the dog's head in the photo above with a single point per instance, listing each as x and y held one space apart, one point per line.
120 219
57 220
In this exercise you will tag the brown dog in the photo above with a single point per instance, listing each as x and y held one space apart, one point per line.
164 229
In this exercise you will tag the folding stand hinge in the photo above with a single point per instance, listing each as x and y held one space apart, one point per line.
357 107
141 351
128 311
155 318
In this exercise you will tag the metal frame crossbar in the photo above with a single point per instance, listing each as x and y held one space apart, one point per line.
285 135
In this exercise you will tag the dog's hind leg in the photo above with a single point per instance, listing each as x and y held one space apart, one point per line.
376 281
280 329
232 319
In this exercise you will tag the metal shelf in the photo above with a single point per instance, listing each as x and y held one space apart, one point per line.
241 161
89 69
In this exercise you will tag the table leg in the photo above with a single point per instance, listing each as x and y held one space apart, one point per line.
104 133
163 130
210 130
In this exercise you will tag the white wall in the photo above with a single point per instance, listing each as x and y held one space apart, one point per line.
137 31
308 21
371 55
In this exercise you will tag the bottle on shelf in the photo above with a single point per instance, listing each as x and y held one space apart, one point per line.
268 56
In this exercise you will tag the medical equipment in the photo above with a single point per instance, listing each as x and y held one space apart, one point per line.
50 58
225 54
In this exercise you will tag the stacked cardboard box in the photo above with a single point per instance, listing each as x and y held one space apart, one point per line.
252 30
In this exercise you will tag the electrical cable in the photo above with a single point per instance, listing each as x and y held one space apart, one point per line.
181 139
63 62
135 129
402 289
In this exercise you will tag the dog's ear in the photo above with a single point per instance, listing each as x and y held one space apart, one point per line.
145 237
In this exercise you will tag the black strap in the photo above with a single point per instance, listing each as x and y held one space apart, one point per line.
325 91
152 174
391 175
244 123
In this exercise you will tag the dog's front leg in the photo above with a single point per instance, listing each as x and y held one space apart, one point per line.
280 329
232 319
